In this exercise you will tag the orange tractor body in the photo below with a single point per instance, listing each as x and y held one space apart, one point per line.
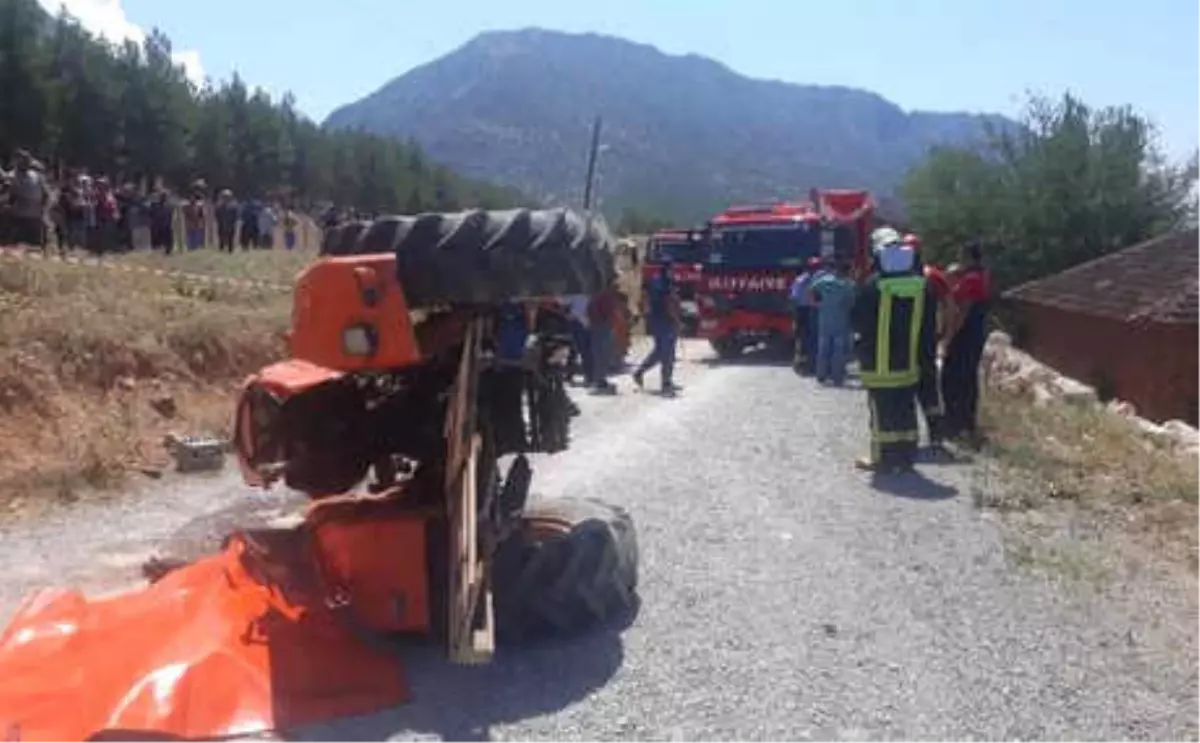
396 371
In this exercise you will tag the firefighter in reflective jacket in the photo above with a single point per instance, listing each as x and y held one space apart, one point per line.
895 320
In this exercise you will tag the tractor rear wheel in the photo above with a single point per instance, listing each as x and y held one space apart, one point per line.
490 257
571 567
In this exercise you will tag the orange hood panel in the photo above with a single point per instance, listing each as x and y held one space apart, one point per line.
208 651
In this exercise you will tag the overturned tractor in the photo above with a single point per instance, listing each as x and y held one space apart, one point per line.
399 383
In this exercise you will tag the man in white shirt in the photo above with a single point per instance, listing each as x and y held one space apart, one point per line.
30 195
266 226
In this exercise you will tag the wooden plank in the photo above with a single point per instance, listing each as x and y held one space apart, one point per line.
456 408
469 643
467 587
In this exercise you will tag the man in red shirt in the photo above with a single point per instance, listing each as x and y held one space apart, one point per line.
965 333
601 311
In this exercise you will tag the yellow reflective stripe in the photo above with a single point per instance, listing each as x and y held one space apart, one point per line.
889 380
883 332
918 317
904 287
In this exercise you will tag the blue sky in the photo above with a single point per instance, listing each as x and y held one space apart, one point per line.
975 55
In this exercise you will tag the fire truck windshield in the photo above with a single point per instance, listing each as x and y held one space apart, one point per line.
766 246
677 251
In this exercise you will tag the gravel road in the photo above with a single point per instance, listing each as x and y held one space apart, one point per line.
784 596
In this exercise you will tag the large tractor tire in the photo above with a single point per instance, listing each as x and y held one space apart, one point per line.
489 257
570 568
342 239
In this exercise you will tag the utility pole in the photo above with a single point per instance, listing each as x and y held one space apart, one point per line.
593 153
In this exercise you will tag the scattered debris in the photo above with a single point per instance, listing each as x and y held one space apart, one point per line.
165 406
196 453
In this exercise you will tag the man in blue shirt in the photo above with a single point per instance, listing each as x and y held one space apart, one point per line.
834 292
662 320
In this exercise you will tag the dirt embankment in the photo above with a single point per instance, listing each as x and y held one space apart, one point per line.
1090 470
98 363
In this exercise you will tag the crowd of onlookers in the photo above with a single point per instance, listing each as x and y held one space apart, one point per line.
84 211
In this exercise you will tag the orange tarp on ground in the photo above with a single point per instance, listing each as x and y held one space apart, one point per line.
211 650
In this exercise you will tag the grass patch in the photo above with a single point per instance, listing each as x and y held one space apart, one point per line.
1066 559
276 266
1092 459
86 351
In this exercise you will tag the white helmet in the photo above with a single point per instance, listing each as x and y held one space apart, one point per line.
884 236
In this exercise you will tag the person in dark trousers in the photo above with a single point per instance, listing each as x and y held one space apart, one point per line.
104 227
73 206
249 236
581 346
966 335
162 222
801 309
895 321
929 395
662 320
226 215
513 326
820 268
602 313
128 206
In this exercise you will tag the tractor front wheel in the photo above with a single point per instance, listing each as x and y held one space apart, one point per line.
571 567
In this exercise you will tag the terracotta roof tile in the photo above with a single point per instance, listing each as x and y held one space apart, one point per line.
1155 281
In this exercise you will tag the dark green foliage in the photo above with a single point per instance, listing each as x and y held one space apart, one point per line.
1071 184
130 113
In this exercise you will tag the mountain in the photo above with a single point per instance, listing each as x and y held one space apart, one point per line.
684 135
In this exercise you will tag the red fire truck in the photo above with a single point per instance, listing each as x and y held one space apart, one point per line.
686 250
755 254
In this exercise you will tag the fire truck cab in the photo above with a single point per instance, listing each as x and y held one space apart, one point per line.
686 251
755 253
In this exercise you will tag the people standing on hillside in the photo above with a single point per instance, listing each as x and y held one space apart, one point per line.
104 229
966 335
890 308
127 213
87 195
834 292
662 320
249 235
602 315
162 221
29 199
290 224
226 216
195 217
267 220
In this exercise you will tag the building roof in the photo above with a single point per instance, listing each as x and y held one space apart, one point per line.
1154 281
